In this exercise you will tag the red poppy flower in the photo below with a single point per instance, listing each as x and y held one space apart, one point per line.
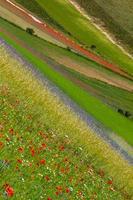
20 161
49 198
44 145
109 182
61 148
67 190
47 178
11 130
20 149
57 193
9 191
43 161
32 151
59 188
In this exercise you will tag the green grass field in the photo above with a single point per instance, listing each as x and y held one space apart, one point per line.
109 94
116 15
81 29
101 112
46 156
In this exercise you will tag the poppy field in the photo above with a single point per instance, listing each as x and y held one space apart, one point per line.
43 155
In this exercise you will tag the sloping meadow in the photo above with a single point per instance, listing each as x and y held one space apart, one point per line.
46 151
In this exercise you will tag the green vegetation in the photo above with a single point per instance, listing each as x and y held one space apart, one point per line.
116 15
50 49
81 29
37 9
107 93
43 155
112 95
90 104
30 31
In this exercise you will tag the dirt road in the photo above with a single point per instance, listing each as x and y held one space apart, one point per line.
25 15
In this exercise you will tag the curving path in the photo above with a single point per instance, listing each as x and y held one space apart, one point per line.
59 36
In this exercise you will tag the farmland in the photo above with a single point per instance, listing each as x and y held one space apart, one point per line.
97 108
83 31
38 144
116 15
66 109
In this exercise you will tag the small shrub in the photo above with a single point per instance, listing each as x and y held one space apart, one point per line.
68 48
93 46
30 31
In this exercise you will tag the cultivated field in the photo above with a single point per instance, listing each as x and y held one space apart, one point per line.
66 102
74 91
83 31
116 16
46 151
101 112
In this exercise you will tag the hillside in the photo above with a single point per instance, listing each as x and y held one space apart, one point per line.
66 103
81 30
115 16
43 154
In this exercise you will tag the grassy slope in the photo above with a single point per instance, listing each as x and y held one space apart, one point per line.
112 95
35 172
116 15
84 31
101 112
36 8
